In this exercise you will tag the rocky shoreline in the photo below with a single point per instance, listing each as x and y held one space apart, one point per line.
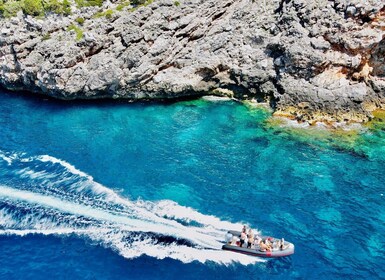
310 60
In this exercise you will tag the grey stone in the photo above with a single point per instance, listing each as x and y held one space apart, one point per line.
351 11
299 52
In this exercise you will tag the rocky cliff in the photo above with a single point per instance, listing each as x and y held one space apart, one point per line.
311 60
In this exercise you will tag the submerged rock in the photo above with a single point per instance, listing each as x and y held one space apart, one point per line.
304 58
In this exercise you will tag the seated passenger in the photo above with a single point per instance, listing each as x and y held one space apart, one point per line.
258 239
267 242
263 247
276 244
234 241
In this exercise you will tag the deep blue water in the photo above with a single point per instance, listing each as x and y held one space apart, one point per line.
112 190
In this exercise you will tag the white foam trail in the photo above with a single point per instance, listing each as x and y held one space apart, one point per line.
161 209
129 224
184 254
27 172
70 167
170 209
97 188
113 221
11 157
57 231
66 207
8 159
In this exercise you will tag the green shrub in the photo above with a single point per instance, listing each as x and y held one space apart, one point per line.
108 14
89 3
98 15
52 6
32 7
57 7
177 3
46 36
78 31
122 5
138 2
1 7
10 8
148 2
66 7
80 20
80 3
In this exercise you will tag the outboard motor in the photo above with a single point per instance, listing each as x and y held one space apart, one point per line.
228 237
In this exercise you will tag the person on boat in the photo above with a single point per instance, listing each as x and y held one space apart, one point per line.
257 238
233 241
268 243
250 238
282 244
244 229
277 244
243 238
263 247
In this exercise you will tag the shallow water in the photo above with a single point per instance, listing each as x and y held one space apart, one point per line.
109 190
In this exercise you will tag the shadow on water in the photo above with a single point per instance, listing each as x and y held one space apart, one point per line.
37 98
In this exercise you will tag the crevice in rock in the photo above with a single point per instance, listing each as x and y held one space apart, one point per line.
275 50
274 99
218 15
93 50
206 73
377 59
123 41
340 46
109 29
166 66
279 10
15 59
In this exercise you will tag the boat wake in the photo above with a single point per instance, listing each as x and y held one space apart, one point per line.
45 195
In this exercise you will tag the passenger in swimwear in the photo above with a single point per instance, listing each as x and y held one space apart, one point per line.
263 247
234 241
244 229
250 238
243 239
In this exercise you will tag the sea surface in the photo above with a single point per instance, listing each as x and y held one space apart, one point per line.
118 190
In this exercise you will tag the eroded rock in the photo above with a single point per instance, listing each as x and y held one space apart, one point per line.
321 57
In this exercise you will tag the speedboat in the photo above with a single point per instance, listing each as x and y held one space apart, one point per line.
279 247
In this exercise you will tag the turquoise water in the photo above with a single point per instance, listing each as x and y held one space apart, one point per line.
110 190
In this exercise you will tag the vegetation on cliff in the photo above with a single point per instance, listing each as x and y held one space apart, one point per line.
9 8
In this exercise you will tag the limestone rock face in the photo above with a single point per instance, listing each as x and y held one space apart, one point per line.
317 56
